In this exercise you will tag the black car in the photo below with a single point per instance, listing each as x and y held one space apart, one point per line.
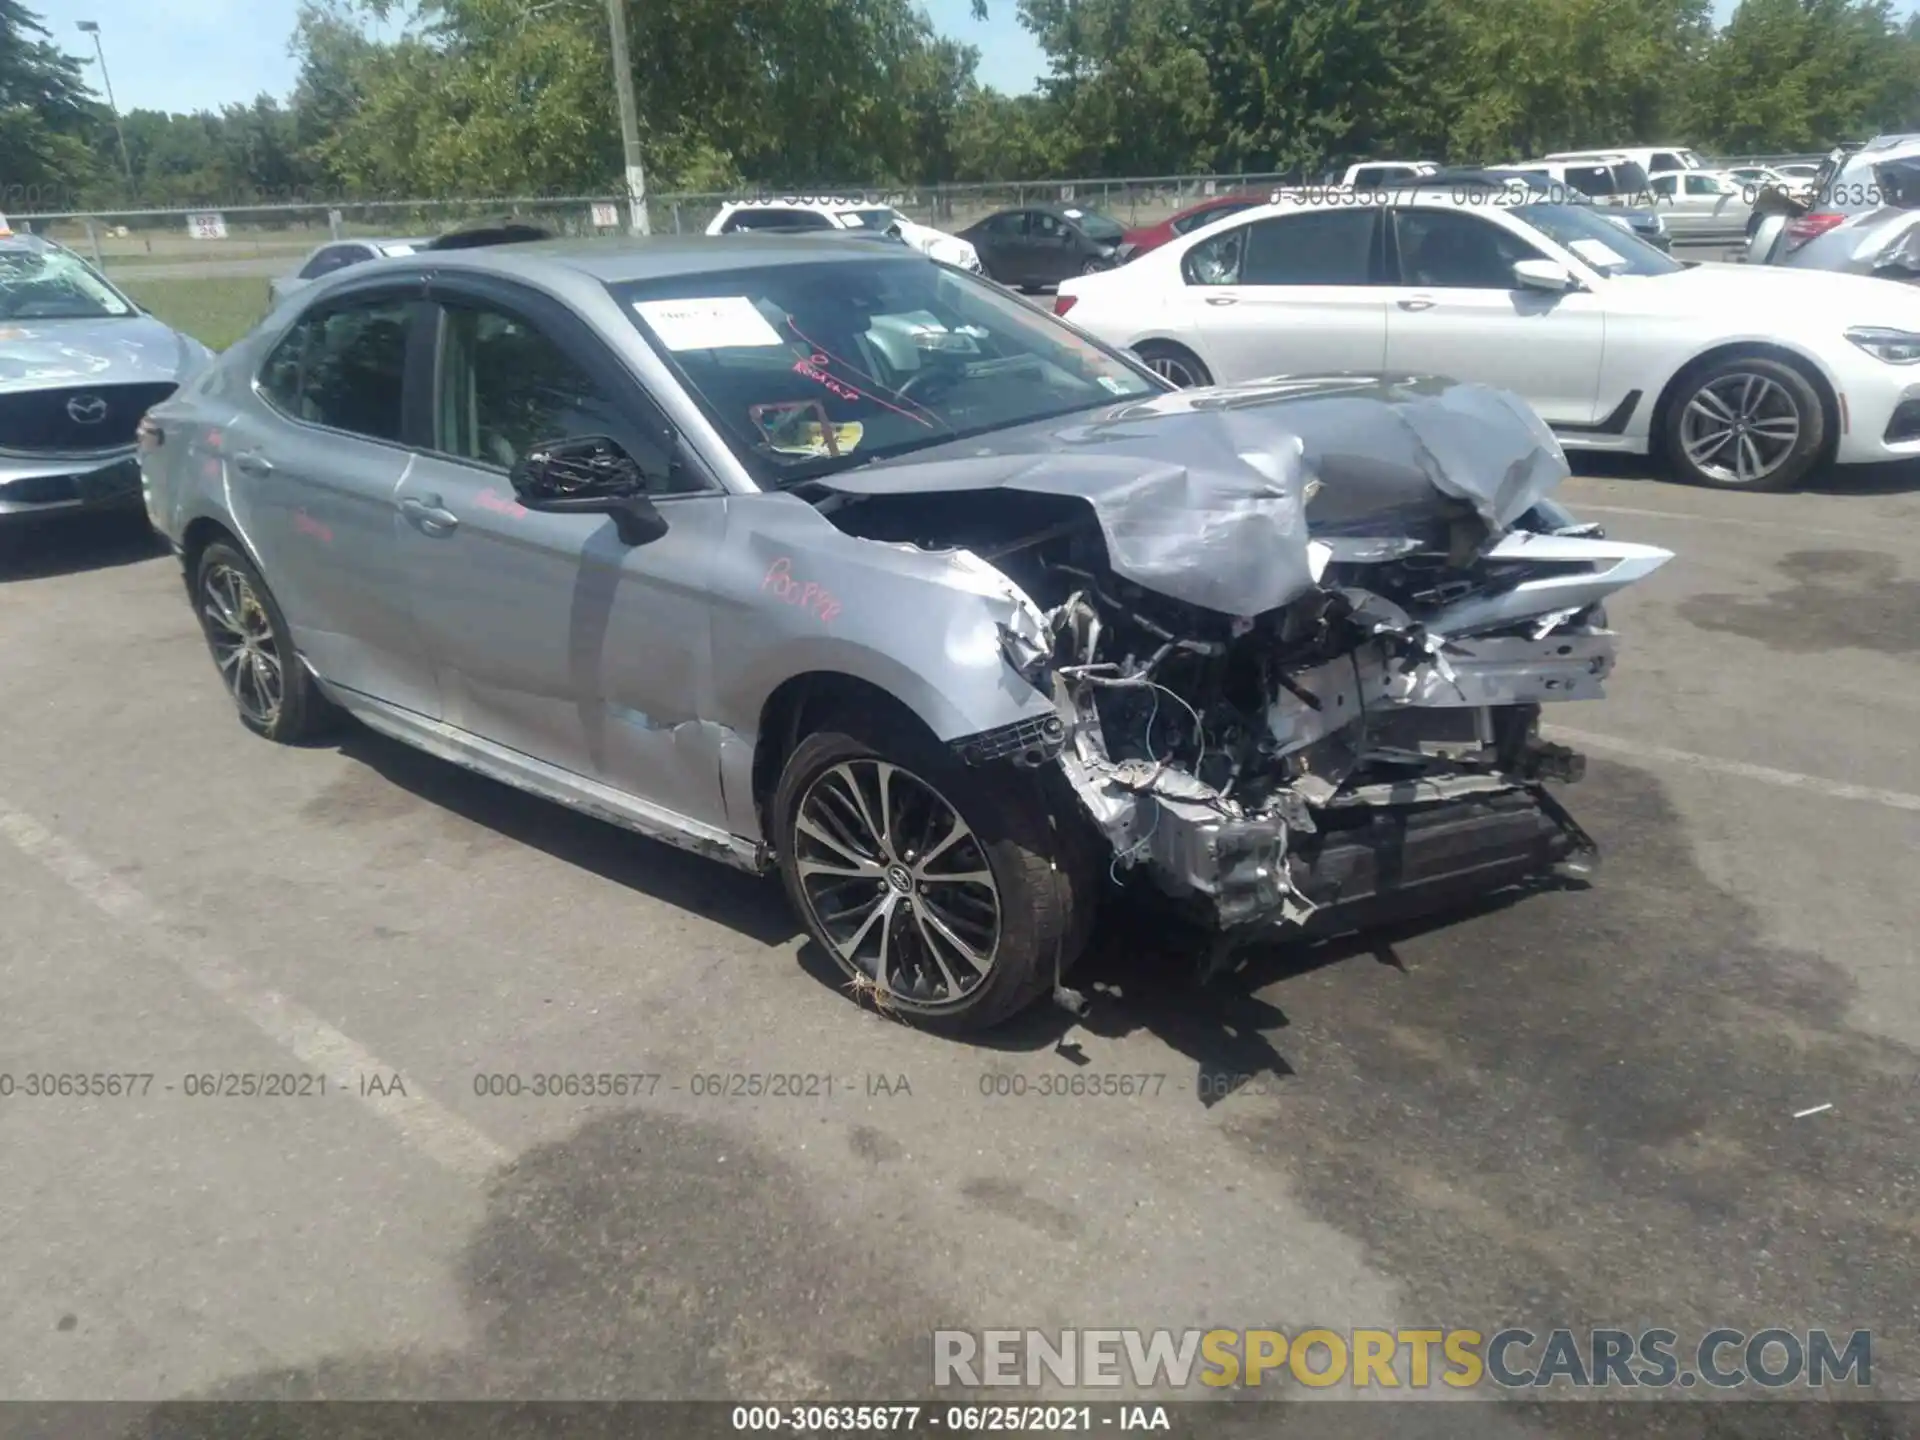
1045 244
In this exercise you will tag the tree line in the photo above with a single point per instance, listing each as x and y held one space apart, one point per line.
513 97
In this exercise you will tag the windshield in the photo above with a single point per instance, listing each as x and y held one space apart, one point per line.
51 284
1597 240
1097 226
816 367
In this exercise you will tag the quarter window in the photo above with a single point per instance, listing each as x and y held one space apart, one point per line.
1453 250
343 366
505 388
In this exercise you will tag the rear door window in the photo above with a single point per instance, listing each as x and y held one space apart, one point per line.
1319 247
344 366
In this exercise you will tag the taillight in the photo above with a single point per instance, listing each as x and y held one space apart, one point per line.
149 434
1063 303
1810 227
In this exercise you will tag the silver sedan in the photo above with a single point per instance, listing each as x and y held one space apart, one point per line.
840 561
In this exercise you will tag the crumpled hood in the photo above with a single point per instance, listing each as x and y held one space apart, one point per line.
1209 496
111 350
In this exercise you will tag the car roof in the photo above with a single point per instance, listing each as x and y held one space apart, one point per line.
19 240
617 259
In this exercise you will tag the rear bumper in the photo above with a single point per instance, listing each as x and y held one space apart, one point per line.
63 484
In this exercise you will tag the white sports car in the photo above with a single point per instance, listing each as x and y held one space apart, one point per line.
1737 376
817 212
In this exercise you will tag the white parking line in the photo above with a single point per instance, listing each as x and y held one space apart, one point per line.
1740 769
423 1122
1869 536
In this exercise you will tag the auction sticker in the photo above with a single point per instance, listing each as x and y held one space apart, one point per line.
712 322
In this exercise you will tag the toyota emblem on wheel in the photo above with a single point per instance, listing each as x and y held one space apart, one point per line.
86 409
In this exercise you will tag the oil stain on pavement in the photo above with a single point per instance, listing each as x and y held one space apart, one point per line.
1578 1111
1854 599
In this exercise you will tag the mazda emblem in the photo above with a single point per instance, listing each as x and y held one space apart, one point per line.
86 409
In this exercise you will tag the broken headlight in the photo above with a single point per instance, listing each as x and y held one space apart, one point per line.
1896 347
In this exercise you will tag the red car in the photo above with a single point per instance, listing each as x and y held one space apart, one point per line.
1214 207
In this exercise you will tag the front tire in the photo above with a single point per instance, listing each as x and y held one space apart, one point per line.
931 885
1173 363
253 649
1745 423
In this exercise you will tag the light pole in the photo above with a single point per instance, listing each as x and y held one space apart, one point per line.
629 118
92 27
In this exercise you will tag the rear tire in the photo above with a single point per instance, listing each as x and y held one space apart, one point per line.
1173 363
253 650
1745 422
875 822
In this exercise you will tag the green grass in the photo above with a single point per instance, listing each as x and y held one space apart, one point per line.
216 311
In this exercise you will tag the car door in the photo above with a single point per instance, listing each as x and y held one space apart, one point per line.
1055 248
1000 242
551 635
1712 207
1454 309
1292 294
312 470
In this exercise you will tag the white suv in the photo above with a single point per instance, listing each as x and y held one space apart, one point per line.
1650 158
833 212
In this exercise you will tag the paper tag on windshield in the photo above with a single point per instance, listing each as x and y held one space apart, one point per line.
1597 253
710 322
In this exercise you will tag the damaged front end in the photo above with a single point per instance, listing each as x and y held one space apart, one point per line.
1297 675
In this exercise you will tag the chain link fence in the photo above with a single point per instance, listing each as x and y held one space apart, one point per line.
263 235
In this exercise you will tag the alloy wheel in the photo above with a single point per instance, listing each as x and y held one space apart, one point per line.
898 882
1174 370
1740 427
241 634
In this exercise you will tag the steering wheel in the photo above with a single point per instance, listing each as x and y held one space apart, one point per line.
924 378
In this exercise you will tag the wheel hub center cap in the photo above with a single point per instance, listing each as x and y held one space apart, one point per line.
900 878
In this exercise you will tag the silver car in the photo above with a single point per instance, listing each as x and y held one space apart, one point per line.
843 562
1862 218
80 363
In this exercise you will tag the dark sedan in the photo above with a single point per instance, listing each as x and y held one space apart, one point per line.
1038 245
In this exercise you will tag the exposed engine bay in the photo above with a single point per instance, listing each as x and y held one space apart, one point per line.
1373 735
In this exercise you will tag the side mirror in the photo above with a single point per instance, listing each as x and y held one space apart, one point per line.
590 475
1543 275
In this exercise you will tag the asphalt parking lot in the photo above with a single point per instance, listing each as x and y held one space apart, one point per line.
1576 1108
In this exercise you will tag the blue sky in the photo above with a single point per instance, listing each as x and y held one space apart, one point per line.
195 54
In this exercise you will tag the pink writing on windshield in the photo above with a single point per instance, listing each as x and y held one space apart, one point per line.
808 595
814 367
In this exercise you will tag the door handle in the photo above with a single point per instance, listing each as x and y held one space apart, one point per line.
252 462
1417 302
430 515
1223 299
